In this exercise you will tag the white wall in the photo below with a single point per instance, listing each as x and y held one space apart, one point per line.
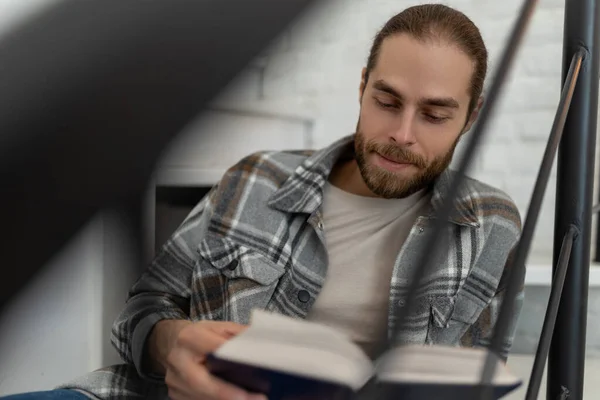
316 67
52 330
59 326
15 12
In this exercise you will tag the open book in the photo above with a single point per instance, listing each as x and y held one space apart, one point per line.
287 358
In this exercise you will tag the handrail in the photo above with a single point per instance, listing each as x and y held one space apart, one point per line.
119 75
433 239
558 281
574 201
522 251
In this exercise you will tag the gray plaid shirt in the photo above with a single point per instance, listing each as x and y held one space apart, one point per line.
256 241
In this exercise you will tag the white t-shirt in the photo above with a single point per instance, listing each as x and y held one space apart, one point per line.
363 237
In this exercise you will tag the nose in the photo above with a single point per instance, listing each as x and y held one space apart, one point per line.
403 130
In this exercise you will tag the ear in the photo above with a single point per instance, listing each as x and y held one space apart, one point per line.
363 84
474 115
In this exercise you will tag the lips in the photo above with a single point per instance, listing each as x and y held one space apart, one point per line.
390 159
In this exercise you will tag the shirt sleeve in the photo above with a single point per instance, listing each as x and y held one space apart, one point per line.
163 291
481 332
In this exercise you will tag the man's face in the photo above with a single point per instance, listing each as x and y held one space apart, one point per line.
413 111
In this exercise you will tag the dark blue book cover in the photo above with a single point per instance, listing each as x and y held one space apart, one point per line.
290 359
278 385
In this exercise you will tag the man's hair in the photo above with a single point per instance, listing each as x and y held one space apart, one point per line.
438 22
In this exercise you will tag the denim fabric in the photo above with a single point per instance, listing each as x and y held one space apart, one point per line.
60 394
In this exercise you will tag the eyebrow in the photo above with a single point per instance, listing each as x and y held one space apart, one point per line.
447 102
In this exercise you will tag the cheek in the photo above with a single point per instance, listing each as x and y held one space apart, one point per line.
437 144
375 122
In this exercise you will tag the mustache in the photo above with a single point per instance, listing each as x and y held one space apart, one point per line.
396 153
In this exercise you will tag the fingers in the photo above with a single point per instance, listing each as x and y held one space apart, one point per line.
226 328
200 341
187 376
193 381
219 389
208 336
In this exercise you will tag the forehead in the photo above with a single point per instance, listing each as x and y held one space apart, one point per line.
420 69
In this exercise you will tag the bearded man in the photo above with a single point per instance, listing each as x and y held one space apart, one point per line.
332 235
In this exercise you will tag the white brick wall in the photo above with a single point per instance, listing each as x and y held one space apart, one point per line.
315 67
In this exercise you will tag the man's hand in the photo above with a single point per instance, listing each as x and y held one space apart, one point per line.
179 349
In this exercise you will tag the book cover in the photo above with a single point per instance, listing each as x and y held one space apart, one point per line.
290 359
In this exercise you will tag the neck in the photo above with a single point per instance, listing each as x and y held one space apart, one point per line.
346 176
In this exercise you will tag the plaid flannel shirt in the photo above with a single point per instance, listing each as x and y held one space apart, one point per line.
256 241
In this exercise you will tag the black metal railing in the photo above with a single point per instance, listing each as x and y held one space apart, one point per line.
532 217
479 130
574 197
573 212
558 281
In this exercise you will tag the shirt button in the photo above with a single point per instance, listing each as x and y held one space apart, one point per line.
320 225
233 265
421 230
401 303
303 296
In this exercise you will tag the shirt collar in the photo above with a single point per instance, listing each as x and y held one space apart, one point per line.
302 192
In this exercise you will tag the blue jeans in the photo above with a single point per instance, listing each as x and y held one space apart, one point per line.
58 394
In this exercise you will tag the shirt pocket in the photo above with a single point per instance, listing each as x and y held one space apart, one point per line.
248 278
451 318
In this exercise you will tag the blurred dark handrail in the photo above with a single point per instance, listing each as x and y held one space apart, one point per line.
535 205
574 200
92 92
541 355
433 240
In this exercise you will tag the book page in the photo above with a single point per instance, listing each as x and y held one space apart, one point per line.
300 347
440 364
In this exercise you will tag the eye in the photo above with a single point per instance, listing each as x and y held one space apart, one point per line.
384 104
435 119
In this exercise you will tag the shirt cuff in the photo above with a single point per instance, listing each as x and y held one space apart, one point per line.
140 337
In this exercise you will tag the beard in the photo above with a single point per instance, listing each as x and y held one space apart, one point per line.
389 185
